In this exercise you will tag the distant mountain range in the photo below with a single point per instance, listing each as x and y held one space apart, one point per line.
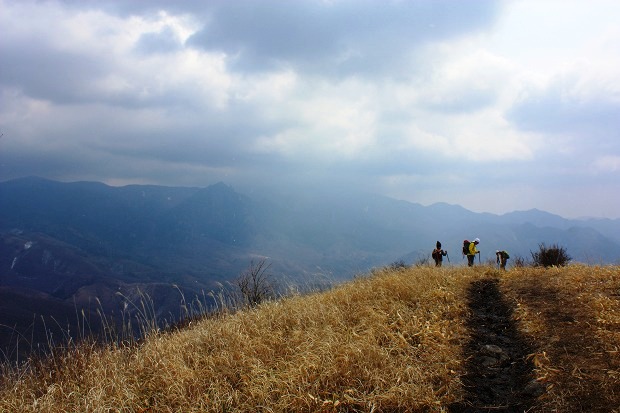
65 247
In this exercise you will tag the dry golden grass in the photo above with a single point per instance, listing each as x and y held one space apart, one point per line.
392 341
572 315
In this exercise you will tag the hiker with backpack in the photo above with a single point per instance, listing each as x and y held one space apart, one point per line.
469 249
438 254
501 258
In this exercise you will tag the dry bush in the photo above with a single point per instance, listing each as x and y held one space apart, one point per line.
255 284
550 256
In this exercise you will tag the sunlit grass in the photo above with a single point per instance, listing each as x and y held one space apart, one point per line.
572 315
389 341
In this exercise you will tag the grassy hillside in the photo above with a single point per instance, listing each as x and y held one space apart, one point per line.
416 339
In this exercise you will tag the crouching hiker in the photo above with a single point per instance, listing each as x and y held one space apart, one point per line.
502 257
438 254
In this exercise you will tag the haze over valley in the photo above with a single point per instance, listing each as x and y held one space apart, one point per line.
85 245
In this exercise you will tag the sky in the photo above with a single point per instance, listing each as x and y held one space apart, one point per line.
493 105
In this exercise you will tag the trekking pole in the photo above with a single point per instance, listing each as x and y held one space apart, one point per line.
448 257
479 257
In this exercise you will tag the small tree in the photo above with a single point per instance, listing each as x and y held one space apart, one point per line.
550 256
255 284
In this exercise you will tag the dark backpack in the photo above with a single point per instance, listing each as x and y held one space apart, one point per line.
466 247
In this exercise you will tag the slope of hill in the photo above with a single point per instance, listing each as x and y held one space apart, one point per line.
417 339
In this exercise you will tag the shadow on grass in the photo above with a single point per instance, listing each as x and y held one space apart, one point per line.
498 375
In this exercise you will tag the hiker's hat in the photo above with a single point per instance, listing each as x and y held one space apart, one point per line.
477 240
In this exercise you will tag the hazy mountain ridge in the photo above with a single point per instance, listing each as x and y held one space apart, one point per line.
70 242
133 222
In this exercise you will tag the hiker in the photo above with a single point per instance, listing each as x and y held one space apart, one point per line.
472 251
502 257
438 254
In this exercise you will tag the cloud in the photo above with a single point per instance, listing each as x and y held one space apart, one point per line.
340 38
163 41
424 100
563 107
608 163
464 78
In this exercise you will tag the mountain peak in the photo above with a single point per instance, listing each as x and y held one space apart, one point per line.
220 186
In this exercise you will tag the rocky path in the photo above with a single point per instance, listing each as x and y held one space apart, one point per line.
498 378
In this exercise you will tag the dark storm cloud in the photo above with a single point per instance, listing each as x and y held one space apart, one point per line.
562 109
44 73
269 32
412 98
346 37
213 147
125 8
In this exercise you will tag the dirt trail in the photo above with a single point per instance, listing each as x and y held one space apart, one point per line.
498 375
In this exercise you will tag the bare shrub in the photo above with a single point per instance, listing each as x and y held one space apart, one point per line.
423 261
519 261
255 284
550 256
397 265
